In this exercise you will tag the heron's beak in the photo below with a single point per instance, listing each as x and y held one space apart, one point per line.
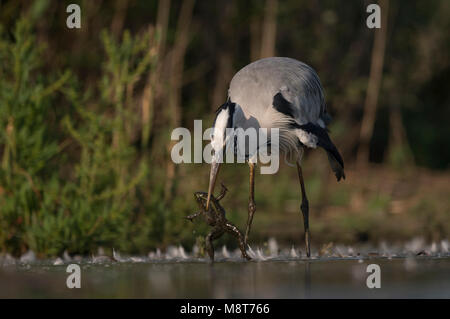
212 180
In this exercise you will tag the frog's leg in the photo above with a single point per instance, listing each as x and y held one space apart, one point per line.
232 229
223 192
191 217
215 233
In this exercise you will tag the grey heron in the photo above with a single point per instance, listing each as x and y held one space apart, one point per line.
283 93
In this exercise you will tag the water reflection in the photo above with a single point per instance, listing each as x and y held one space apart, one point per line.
270 279
307 280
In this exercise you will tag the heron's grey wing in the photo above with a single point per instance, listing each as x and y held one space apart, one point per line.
255 86
286 93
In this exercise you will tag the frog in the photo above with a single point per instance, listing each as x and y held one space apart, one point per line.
215 217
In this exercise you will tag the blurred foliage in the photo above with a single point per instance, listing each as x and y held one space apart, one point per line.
83 165
95 203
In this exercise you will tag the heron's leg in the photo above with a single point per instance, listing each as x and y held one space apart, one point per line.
215 233
305 209
232 229
251 201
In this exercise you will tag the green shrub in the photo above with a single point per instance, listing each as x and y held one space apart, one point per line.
72 182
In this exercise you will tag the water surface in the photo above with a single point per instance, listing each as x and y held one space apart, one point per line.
412 277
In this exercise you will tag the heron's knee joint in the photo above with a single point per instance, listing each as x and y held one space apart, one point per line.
251 206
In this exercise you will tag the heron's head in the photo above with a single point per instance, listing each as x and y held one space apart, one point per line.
224 119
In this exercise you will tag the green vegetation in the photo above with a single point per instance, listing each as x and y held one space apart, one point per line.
51 201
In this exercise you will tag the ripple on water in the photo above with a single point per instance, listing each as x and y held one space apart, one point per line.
270 251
